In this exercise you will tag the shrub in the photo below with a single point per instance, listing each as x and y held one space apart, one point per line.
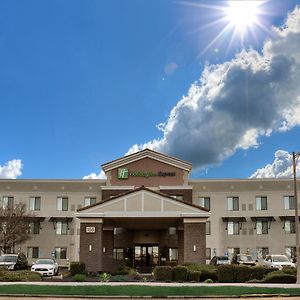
125 270
180 273
194 276
259 272
104 277
77 267
279 277
234 273
208 281
163 273
79 277
6 275
209 274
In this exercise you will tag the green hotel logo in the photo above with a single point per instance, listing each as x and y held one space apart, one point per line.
123 173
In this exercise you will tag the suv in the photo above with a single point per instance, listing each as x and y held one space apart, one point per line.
277 261
220 260
243 259
14 261
8 261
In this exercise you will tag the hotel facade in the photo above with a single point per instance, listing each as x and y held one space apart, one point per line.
148 212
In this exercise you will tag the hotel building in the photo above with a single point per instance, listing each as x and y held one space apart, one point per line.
148 212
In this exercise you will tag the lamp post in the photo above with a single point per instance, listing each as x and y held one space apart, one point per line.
295 159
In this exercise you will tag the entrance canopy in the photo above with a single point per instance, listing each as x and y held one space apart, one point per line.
143 207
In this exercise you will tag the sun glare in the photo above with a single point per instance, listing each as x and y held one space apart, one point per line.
242 14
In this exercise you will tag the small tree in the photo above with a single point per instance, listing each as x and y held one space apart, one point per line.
14 227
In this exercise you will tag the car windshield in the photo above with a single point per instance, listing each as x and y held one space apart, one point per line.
45 262
280 258
8 258
245 258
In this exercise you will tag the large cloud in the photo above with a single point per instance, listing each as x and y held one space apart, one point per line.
281 167
101 175
11 169
237 102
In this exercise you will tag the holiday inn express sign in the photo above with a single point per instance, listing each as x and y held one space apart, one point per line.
124 173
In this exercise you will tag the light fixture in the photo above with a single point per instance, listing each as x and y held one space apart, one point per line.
194 248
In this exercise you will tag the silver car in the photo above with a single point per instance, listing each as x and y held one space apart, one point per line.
45 266
277 261
8 261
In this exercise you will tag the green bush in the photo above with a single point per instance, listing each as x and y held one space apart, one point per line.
6 275
208 281
180 273
234 273
77 267
279 277
194 276
124 270
259 272
209 274
79 277
200 267
163 273
104 277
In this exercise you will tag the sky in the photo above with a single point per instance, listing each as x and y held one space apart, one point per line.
84 82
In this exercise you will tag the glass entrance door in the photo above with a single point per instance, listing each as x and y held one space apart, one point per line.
145 257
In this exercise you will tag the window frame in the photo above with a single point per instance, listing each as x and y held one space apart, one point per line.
62 204
204 202
233 203
260 204
35 203
59 251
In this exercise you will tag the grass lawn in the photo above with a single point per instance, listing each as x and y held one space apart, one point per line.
134 290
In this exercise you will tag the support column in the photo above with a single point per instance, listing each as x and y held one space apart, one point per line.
107 250
91 244
194 240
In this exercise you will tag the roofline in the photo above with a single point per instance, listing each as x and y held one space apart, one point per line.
142 188
146 153
51 180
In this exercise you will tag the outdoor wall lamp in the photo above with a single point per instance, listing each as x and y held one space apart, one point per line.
194 248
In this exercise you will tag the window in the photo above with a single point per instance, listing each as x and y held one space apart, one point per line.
118 230
89 201
232 251
7 202
60 252
262 227
173 254
35 203
178 197
62 203
172 230
204 202
289 202
262 252
290 252
208 253
233 203
289 226
33 252
261 203
61 227
207 228
34 228
233 228
118 254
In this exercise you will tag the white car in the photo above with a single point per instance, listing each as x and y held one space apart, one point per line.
45 266
278 261
8 261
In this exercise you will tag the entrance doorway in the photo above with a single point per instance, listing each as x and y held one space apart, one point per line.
145 257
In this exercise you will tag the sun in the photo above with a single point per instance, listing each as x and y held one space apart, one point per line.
242 14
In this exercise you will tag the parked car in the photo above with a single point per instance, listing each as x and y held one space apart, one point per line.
8 261
14 261
45 266
277 261
220 260
243 259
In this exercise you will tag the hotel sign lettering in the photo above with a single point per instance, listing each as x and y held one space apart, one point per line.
124 173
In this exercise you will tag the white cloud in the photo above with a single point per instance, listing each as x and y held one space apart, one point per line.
281 167
11 169
101 175
237 102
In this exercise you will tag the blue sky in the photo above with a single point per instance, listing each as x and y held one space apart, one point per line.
85 82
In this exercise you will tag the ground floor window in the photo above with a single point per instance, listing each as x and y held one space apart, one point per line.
232 251
33 252
173 254
208 253
60 252
262 252
118 254
290 252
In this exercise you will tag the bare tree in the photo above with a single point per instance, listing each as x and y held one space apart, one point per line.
14 227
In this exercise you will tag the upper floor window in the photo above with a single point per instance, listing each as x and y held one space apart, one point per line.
34 228
262 227
289 226
261 203
62 203
61 227
233 228
204 202
178 197
289 202
233 203
35 203
7 202
89 201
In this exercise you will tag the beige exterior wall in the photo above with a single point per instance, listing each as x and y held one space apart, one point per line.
218 190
